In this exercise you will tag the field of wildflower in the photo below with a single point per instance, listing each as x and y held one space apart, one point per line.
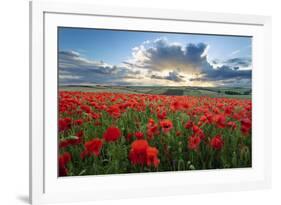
114 133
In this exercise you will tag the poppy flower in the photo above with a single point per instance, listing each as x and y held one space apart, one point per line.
72 140
68 120
246 126
231 125
193 142
92 147
152 131
63 160
94 115
139 135
189 125
80 134
78 122
203 119
220 121
175 106
86 108
195 129
112 134
228 110
152 157
217 142
114 111
129 136
166 125
198 131
64 124
161 116
151 122
137 153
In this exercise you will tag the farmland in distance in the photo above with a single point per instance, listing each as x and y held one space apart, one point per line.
231 92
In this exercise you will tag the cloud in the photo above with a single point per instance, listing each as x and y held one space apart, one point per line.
172 76
161 55
75 69
157 62
72 60
188 60
223 73
238 62
69 77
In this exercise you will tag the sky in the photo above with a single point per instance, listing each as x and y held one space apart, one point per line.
135 58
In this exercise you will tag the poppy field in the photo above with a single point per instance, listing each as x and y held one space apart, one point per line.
114 133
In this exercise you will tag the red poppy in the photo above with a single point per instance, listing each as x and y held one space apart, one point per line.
114 111
166 125
220 121
228 110
129 136
80 134
139 135
217 142
112 134
195 129
63 160
97 123
78 122
137 153
161 116
68 120
246 126
193 142
86 108
152 131
198 131
203 119
92 147
64 124
152 156
231 125
189 125
175 106
151 122
74 140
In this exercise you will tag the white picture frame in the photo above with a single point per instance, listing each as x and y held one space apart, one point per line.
46 187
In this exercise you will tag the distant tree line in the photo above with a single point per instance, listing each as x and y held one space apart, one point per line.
231 92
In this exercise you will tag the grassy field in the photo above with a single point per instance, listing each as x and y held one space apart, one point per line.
235 92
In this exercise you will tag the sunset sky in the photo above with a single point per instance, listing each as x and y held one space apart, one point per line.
92 56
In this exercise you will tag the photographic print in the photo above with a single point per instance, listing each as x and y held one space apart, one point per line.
143 101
